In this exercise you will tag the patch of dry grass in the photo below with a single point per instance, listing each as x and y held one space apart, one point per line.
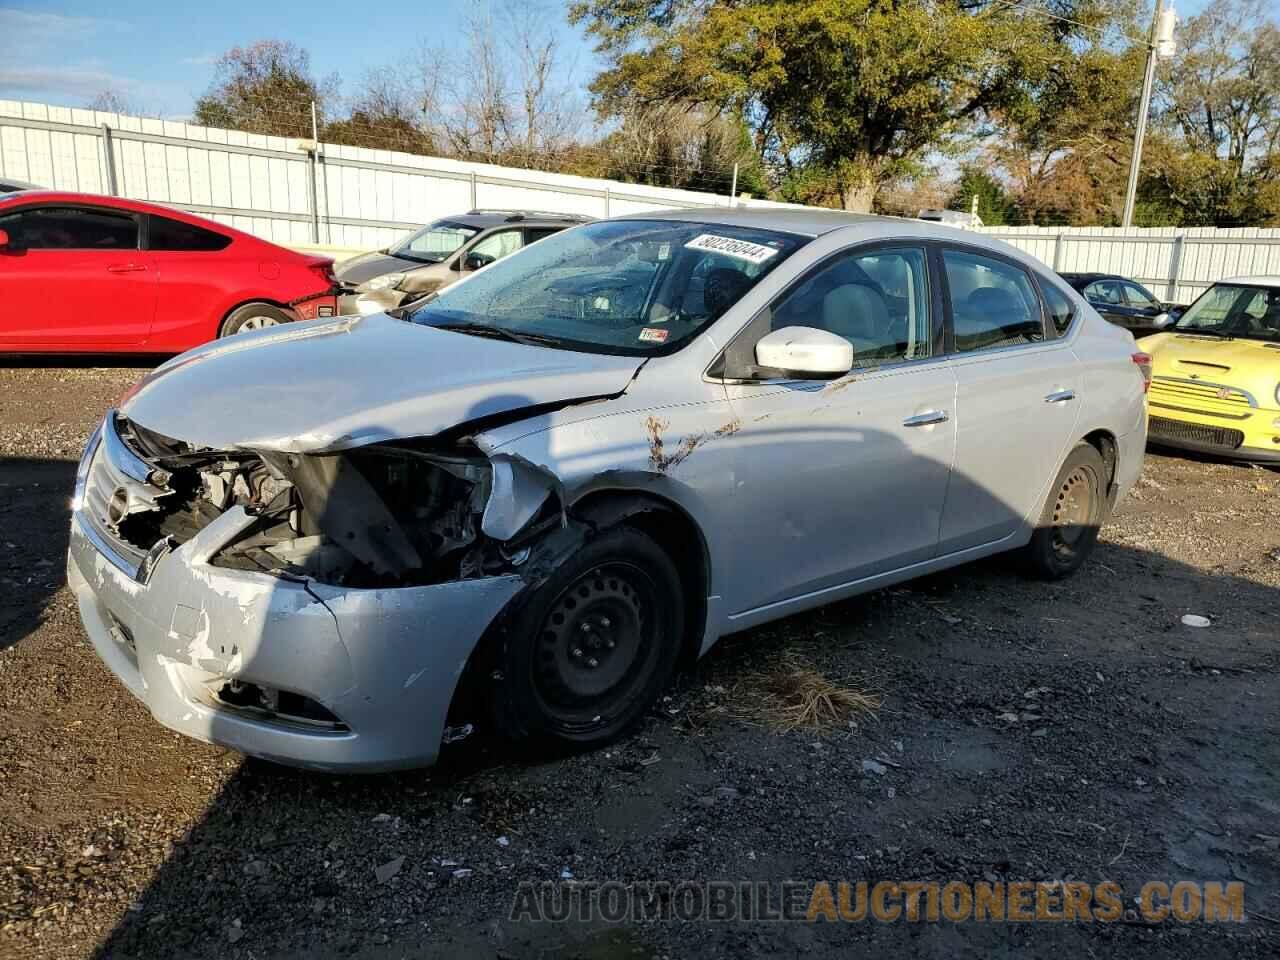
796 696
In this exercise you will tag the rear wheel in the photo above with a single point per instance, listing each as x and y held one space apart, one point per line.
1073 513
253 316
594 646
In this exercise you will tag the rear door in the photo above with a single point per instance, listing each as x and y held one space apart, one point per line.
1107 297
74 279
1017 395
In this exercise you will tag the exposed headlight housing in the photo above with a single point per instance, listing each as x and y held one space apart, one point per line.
386 281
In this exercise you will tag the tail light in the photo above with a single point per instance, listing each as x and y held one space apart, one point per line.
1143 360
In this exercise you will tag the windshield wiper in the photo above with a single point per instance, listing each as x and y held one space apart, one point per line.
501 333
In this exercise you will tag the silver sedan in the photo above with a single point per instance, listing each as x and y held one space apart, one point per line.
523 503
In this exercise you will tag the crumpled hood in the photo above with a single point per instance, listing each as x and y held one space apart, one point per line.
342 383
366 266
1252 365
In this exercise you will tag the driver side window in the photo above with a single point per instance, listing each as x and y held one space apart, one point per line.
878 300
496 246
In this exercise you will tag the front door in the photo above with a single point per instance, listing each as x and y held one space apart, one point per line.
1017 400
840 480
74 279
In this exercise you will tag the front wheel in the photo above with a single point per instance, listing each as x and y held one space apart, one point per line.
594 646
1073 513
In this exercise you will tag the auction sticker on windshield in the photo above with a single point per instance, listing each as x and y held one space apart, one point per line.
729 247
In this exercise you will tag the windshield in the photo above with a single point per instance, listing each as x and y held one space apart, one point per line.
434 242
628 287
1234 310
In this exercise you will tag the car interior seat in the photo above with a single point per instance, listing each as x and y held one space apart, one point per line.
988 317
858 313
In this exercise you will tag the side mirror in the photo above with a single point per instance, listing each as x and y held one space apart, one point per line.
1161 320
806 353
4 240
476 261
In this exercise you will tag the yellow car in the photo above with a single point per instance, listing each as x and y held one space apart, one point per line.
1215 385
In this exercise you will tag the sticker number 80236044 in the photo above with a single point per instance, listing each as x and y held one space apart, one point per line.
731 247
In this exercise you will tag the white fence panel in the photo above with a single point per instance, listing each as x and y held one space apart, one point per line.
1177 264
366 199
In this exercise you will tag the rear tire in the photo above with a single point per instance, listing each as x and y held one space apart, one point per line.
593 647
1072 516
253 316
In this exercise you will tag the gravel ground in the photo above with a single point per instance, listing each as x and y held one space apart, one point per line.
1072 731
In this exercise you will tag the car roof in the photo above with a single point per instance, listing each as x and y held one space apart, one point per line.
494 218
143 206
1073 275
811 222
1256 280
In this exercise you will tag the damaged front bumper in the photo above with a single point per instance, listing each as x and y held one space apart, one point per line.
289 669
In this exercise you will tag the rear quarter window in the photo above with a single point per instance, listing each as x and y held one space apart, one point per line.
1061 310
167 234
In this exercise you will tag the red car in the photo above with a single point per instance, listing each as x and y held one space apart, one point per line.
81 273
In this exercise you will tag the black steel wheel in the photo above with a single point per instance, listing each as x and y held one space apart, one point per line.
594 646
1072 516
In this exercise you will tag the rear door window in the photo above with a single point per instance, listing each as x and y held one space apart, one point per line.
77 228
534 234
166 234
993 303
1104 291
1135 296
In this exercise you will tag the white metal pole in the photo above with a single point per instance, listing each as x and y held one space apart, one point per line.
733 189
1135 162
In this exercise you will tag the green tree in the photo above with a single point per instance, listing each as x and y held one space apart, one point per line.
266 87
994 206
856 90
1219 114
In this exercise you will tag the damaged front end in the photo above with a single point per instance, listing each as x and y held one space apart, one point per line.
315 609
384 515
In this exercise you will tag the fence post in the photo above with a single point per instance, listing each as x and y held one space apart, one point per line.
109 155
1175 266
475 203
607 197
1058 244
313 172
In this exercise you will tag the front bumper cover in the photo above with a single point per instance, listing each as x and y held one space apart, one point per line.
386 662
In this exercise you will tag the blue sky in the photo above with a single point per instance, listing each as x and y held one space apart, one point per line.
159 56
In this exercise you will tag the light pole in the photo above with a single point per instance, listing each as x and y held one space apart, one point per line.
1160 45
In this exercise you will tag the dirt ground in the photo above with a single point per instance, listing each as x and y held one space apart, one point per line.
1029 731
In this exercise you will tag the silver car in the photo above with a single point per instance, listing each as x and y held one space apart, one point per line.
341 543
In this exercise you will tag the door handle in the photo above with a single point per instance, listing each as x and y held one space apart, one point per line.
1060 396
126 268
926 418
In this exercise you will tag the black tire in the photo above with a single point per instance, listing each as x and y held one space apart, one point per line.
1073 513
594 646
253 316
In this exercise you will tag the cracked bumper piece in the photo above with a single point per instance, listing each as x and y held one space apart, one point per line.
381 663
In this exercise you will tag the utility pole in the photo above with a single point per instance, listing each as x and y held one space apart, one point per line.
1160 45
